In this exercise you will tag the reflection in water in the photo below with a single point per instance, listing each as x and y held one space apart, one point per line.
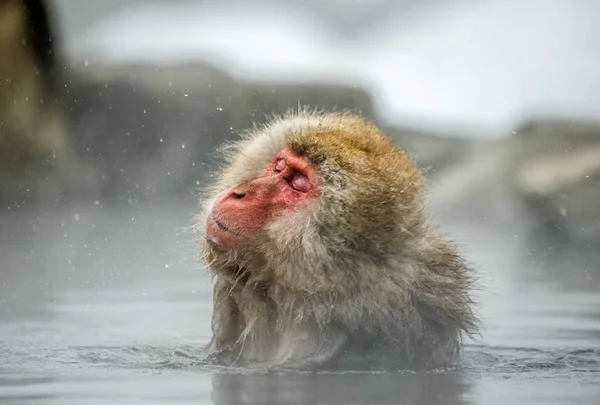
16 390
342 389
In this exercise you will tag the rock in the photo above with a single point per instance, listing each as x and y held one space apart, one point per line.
148 130
558 176
120 132
541 185
145 131
33 137
126 132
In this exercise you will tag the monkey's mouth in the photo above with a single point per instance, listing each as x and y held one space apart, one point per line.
223 227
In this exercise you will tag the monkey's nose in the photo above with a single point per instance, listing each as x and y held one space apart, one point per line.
238 193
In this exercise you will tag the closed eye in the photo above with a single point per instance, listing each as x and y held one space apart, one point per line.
300 182
294 178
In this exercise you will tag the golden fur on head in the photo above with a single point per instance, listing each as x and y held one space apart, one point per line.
359 272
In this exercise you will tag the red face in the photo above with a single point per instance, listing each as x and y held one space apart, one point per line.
288 184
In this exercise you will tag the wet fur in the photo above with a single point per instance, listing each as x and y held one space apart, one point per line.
359 275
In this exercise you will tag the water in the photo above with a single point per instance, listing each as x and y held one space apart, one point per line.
104 305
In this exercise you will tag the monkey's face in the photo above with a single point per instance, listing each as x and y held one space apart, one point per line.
305 193
240 214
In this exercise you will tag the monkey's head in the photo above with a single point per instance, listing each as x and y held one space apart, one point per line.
310 191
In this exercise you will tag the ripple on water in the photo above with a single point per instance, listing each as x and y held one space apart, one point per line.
476 359
529 362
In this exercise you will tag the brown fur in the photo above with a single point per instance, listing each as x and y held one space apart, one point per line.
360 274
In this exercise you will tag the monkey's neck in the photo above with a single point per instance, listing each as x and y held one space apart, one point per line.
242 279
239 274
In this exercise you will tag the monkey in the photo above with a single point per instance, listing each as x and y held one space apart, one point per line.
321 254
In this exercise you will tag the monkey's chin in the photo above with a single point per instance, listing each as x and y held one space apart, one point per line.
219 236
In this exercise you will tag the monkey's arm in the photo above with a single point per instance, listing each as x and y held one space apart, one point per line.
444 304
306 345
227 320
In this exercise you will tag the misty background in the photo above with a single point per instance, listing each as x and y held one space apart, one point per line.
110 116
476 66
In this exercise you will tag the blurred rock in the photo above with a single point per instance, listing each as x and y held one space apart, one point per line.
558 176
33 137
150 130
120 133
147 131
541 185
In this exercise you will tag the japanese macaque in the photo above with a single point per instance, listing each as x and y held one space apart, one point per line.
321 253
